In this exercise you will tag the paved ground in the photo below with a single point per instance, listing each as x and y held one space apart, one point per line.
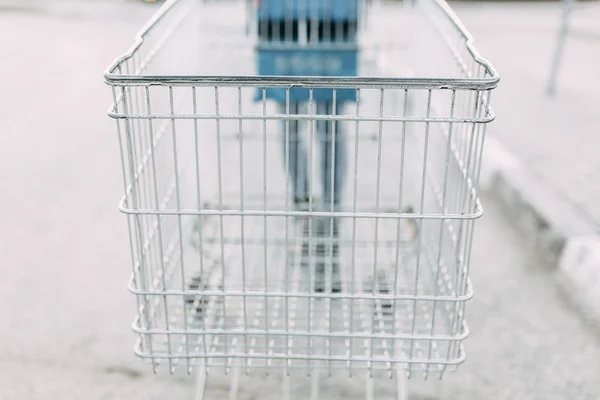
555 137
65 264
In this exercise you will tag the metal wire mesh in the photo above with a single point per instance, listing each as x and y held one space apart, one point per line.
227 271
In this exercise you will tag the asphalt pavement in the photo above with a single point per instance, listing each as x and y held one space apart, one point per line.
554 136
66 313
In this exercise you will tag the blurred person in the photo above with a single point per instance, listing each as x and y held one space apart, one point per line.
290 44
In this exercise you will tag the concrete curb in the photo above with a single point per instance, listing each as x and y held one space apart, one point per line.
550 222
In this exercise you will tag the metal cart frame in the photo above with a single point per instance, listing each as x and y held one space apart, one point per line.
225 270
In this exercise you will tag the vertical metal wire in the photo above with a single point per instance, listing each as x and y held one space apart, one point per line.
147 145
333 195
354 201
420 224
287 219
376 236
157 205
138 281
346 321
312 264
483 127
468 152
265 220
138 138
332 176
460 279
457 135
130 125
315 372
179 227
243 314
364 326
142 143
256 325
198 196
295 288
442 226
139 223
208 304
275 318
478 149
242 227
399 223
378 310
464 272
327 333
148 199
220 324
469 140
473 156
221 228
463 145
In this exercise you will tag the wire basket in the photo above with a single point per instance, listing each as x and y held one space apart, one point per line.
227 272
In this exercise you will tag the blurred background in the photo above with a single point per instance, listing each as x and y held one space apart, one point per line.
64 256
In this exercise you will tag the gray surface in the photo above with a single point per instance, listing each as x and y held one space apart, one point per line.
65 262
526 343
557 138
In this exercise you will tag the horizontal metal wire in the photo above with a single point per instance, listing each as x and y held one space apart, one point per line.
309 358
249 117
305 295
298 333
337 214
305 82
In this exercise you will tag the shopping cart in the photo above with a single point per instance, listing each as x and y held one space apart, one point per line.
231 279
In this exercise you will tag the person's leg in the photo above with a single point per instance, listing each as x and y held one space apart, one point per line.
294 156
333 158
333 173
